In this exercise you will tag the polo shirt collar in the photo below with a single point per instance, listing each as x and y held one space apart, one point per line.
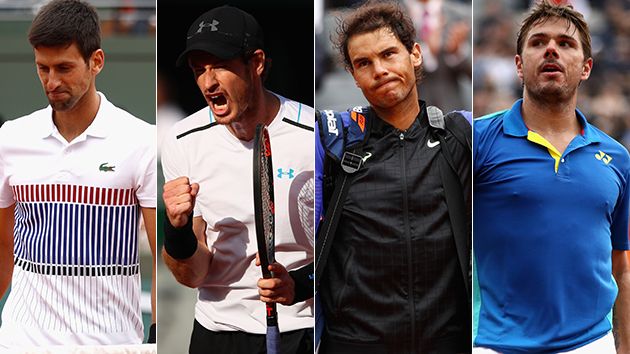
100 126
514 125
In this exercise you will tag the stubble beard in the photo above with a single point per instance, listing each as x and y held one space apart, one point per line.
62 106
385 102
550 92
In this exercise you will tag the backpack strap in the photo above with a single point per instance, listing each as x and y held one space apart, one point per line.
343 135
458 124
460 129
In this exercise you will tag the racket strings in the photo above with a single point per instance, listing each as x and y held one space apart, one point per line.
268 206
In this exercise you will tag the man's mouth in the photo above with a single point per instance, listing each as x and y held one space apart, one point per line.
218 102
56 94
383 83
218 99
551 68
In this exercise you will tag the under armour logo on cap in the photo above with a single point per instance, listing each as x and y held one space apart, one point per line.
225 32
213 26
202 25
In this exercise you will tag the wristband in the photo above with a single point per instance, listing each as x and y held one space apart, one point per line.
303 279
151 334
179 242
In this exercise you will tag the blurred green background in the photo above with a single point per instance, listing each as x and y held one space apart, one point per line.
128 79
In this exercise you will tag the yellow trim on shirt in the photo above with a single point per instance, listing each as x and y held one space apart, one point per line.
538 139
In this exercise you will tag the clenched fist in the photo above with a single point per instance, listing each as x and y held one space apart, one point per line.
179 198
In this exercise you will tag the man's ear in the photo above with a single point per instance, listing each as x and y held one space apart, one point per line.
587 67
258 59
416 55
97 61
518 61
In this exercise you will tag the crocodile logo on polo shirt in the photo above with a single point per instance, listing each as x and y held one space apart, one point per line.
603 157
104 168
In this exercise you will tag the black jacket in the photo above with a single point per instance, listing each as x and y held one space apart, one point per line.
393 278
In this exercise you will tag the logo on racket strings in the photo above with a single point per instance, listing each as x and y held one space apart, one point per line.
267 148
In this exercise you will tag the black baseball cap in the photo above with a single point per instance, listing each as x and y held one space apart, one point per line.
225 32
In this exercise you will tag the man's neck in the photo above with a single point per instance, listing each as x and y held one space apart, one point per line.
263 110
403 114
74 122
548 117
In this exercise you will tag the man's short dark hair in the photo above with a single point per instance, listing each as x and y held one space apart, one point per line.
371 16
247 56
543 11
63 22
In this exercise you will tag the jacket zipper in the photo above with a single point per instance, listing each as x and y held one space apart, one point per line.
403 164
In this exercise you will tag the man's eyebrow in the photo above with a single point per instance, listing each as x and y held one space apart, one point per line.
388 49
358 59
55 64
540 35
383 51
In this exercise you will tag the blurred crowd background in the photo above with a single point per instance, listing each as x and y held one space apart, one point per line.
443 29
603 98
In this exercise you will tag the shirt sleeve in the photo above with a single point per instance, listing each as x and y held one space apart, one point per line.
6 193
174 160
477 147
146 191
619 226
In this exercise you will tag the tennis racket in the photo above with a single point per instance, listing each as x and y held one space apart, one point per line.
265 224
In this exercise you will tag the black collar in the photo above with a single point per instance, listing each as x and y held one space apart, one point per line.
380 128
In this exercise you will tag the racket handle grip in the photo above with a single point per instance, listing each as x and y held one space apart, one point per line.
273 340
272 314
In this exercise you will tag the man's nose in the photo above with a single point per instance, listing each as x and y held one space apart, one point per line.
552 50
379 69
53 81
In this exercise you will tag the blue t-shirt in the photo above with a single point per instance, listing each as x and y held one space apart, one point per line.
545 225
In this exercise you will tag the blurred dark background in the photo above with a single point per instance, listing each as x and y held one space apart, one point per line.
282 21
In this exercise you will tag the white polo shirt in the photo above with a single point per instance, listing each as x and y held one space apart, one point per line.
76 278
207 153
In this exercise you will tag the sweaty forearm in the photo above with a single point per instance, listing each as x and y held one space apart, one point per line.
6 248
190 271
188 258
622 314
7 272
6 265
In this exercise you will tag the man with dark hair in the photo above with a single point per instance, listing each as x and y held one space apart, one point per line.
67 22
210 235
551 206
74 178
395 278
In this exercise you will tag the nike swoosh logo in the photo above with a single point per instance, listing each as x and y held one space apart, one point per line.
432 144
367 156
